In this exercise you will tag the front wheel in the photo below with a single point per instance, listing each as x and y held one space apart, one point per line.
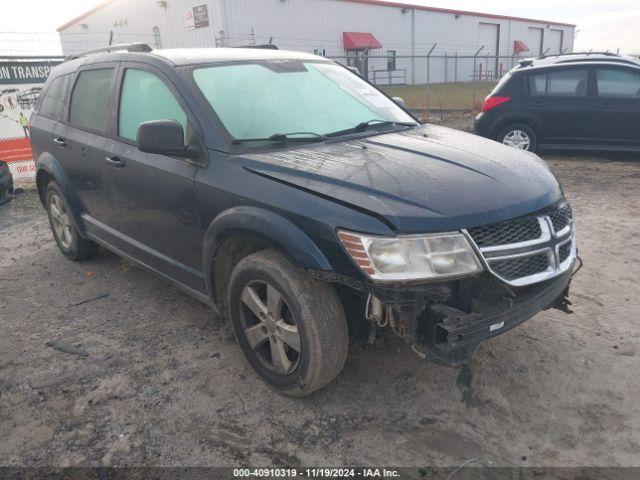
292 329
518 136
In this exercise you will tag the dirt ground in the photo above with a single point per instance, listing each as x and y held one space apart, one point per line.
102 363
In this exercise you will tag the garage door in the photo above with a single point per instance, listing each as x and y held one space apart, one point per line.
536 37
489 36
555 41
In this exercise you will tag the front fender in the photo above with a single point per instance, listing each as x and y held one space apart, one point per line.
266 227
49 167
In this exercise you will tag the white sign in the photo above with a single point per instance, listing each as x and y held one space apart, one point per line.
20 86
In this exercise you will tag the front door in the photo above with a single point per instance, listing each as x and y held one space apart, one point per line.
159 223
618 105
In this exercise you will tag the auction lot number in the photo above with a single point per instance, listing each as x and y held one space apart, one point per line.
315 473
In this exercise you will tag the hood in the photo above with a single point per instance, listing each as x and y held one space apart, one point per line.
425 179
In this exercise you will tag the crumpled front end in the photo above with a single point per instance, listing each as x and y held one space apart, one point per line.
528 264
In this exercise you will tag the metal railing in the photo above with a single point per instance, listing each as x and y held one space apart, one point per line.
389 77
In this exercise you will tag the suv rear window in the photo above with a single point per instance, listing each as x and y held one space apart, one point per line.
53 101
562 83
90 99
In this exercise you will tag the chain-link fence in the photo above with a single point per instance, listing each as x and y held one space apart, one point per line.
435 82
440 77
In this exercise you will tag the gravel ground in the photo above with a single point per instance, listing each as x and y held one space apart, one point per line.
104 364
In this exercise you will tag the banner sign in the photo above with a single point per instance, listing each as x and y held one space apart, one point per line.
20 86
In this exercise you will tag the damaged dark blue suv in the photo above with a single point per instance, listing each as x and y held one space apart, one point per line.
301 202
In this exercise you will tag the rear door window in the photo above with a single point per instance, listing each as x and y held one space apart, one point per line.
538 84
618 83
146 97
52 105
90 100
561 83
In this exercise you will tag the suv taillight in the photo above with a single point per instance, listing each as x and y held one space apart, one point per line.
493 102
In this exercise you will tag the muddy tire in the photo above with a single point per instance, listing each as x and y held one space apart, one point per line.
63 226
292 329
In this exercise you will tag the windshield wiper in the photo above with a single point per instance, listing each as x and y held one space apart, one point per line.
362 126
285 137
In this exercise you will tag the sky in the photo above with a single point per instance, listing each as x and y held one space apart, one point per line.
609 25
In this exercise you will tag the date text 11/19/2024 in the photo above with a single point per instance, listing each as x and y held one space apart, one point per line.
315 473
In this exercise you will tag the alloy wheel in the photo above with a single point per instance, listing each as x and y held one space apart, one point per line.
61 221
270 327
517 139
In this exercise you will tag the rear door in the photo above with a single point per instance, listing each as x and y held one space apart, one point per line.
85 138
618 105
158 221
562 103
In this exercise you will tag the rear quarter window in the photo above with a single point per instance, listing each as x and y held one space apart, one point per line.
90 99
52 104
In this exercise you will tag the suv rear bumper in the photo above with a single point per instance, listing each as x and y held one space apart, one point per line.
484 125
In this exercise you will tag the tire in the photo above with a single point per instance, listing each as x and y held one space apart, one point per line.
520 132
266 282
63 226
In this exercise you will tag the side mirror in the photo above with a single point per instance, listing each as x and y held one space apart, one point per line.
164 137
399 101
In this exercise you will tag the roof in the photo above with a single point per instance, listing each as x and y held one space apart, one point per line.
190 56
178 57
368 2
360 41
579 58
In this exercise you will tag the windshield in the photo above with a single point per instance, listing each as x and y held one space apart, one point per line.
263 99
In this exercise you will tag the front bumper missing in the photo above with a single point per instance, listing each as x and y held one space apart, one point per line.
464 329
446 321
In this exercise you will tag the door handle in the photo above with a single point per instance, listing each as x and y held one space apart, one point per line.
114 162
604 106
536 104
60 142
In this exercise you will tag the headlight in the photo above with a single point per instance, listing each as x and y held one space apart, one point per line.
422 257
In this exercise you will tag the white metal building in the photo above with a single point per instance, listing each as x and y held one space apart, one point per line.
389 42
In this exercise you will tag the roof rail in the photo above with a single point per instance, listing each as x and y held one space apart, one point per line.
577 53
266 46
129 47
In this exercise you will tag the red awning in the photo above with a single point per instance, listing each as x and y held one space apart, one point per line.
519 46
360 41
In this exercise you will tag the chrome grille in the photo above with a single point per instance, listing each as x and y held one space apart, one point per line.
504 233
560 217
530 249
564 251
521 267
